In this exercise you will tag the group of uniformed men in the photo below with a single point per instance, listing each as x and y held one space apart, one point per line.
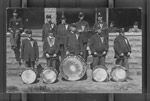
65 39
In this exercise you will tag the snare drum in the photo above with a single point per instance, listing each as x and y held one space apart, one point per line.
49 75
118 73
28 76
100 73
73 68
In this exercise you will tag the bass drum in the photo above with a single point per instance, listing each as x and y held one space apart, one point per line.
118 73
49 75
100 73
28 76
73 68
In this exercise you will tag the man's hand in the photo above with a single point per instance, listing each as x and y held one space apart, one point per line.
121 54
128 53
89 52
67 53
95 53
81 53
17 31
80 30
47 55
37 59
104 52
11 31
54 55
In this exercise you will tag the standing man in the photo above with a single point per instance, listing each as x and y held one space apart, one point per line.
82 27
15 29
48 27
73 42
100 24
29 50
99 47
62 32
122 50
51 49
112 28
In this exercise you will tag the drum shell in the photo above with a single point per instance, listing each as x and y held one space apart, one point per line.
71 57
46 69
102 67
33 72
113 72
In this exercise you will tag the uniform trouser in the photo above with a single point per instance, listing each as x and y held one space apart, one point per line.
98 60
85 52
15 43
123 62
62 50
30 63
53 63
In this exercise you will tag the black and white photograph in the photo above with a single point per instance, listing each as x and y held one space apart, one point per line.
74 50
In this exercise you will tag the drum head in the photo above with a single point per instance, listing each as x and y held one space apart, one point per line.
28 76
118 74
49 76
73 68
100 74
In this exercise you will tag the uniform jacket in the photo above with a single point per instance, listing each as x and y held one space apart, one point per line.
79 25
121 45
72 44
62 31
97 45
15 24
112 29
100 25
48 28
29 52
49 48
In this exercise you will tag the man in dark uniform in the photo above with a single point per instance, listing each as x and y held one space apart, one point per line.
29 50
73 42
48 27
100 24
51 49
99 47
15 29
122 50
82 27
62 31
112 28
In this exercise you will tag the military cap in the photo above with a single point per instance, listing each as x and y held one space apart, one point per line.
81 14
15 11
122 30
135 23
63 17
99 14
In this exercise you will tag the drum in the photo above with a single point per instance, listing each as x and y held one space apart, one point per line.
73 68
49 75
118 73
28 76
100 73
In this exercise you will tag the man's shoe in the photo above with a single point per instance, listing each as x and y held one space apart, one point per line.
129 78
19 63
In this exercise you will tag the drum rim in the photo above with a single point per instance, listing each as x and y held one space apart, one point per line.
82 61
114 69
49 68
32 71
103 67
